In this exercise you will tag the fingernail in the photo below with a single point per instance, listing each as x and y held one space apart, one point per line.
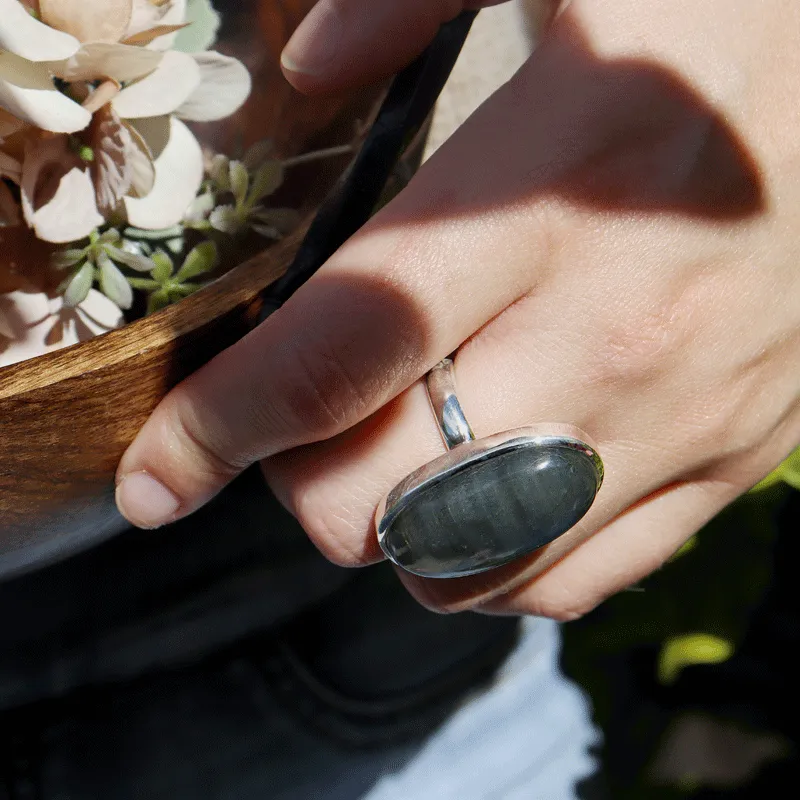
146 502
316 42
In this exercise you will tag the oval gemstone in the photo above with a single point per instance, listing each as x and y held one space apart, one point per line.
493 511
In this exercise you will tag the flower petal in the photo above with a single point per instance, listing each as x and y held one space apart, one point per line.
144 38
25 36
58 196
101 96
155 131
140 159
147 15
27 91
162 91
39 324
179 173
224 86
123 164
110 169
88 20
98 60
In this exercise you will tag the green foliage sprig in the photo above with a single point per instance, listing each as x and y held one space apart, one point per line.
166 285
230 206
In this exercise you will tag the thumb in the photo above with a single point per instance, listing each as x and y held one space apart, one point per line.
343 43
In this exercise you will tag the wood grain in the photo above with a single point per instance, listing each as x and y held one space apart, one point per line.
66 418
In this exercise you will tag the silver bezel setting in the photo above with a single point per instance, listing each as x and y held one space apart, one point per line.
470 453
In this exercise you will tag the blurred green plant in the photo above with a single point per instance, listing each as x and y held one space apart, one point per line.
695 610
787 472
689 649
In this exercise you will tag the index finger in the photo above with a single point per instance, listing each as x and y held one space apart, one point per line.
344 43
367 326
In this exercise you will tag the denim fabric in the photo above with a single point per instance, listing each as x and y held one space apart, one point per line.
222 733
229 661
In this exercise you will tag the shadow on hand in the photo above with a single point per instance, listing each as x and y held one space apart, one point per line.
609 135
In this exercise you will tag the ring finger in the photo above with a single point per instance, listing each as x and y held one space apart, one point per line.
334 487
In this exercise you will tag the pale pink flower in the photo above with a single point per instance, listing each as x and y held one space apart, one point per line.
32 324
95 72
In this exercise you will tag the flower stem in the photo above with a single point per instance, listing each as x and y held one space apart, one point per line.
318 155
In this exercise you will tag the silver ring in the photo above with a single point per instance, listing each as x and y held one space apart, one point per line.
486 502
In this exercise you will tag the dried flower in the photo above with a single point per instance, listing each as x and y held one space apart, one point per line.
97 74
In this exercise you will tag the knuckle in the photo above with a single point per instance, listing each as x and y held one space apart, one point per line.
329 527
636 346
205 455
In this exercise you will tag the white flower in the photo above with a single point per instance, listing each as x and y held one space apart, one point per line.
32 323
161 18
94 71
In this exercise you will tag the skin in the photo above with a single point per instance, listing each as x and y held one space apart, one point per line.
610 241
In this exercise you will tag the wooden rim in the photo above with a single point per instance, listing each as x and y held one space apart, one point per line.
241 286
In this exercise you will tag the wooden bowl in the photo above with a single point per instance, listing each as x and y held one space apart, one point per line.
67 417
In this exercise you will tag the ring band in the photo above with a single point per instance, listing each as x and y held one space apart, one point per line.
450 417
486 502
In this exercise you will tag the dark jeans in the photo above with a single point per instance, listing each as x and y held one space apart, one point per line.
224 658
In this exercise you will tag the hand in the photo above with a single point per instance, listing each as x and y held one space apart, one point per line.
611 241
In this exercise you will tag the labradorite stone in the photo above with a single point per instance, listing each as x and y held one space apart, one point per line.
493 511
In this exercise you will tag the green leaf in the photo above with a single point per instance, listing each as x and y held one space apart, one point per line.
225 220
157 301
175 246
219 172
202 31
132 260
164 267
200 260
791 471
61 259
239 181
788 472
185 289
153 236
695 648
111 236
266 181
144 284
78 288
201 207
113 283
